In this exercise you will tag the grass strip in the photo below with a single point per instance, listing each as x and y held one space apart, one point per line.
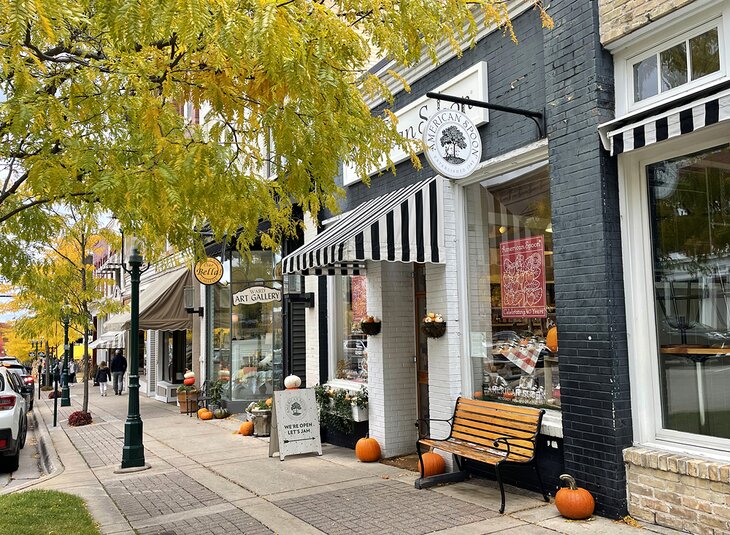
45 512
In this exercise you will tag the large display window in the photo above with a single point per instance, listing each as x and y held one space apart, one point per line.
689 204
513 336
349 354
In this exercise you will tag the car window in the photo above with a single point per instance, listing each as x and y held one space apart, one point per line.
14 382
2 382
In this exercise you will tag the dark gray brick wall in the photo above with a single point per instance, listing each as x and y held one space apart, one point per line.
587 254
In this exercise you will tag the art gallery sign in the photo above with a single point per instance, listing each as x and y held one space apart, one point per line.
412 119
256 294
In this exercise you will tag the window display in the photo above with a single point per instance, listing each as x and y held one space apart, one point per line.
511 291
351 359
690 220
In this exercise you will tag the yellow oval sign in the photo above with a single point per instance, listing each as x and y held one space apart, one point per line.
208 271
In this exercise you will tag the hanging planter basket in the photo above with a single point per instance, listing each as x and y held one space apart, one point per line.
434 329
371 328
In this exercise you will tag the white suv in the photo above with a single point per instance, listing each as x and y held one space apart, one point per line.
13 420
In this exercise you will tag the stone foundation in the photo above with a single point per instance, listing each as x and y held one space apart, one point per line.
677 491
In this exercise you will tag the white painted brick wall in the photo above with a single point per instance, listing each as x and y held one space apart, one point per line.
392 372
311 314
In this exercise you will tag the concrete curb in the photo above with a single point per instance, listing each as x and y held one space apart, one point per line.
50 462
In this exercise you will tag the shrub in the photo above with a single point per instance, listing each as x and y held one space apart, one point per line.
79 418
54 394
46 388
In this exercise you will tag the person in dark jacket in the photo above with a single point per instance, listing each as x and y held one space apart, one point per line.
118 367
102 377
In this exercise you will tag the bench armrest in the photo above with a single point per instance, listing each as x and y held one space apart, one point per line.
506 441
427 422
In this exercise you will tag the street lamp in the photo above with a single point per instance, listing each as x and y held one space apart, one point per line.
133 451
65 394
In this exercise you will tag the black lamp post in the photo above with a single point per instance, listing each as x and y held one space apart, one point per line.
133 451
65 394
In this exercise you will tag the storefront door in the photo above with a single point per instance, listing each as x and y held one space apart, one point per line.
419 276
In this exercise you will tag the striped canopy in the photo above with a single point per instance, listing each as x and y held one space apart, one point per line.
405 225
109 340
679 120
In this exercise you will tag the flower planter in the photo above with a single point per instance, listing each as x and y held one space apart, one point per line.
371 328
187 401
434 329
261 422
359 414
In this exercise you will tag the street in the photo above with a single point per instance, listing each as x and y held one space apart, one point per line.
29 467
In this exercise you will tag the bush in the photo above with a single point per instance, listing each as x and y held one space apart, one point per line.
79 418
46 388
54 394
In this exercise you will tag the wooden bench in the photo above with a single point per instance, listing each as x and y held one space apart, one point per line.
492 433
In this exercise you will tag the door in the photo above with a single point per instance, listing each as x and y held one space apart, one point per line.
419 286
295 346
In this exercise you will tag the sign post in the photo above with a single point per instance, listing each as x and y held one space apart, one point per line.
294 423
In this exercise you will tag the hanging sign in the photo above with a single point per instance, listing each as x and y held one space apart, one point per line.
256 294
522 267
208 271
453 145
294 423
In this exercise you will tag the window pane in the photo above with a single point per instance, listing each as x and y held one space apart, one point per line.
705 52
645 79
511 294
690 207
674 66
351 307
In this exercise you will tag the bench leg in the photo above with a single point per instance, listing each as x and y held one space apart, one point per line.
501 486
539 480
420 459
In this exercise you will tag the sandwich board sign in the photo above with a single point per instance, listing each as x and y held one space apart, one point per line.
294 423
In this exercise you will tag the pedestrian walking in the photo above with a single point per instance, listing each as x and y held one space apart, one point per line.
103 375
118 367
72 371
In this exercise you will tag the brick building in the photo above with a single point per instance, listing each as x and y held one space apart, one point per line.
670 139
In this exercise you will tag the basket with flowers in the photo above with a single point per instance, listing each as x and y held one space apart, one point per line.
433 325
370 325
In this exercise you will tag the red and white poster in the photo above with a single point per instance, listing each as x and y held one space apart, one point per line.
522 266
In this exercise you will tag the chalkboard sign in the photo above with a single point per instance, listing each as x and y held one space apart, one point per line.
295 423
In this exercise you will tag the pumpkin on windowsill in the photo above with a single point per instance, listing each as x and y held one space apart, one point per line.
574 502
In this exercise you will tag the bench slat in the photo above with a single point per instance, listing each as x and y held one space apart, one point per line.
472 451
503 415
522 450
499 406
462 416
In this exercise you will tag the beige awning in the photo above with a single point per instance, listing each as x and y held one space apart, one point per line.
161 305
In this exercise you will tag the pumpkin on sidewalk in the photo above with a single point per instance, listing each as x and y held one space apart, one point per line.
367 450
246 429
433 464
574 502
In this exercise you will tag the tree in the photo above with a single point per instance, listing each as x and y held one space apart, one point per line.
452 136
94 91
60 282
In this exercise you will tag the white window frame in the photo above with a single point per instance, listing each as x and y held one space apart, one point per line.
668 31
639 294
334 328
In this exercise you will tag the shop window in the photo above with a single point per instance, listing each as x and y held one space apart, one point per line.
671 66
350 345
511 291
690 220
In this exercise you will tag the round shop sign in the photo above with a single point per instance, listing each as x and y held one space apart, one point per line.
453 145
208 271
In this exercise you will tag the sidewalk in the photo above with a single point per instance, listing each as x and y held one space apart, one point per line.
207 480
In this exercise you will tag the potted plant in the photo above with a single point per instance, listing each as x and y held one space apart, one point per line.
370 325
187 398
215 393
260 413
433 325
342 415
360 405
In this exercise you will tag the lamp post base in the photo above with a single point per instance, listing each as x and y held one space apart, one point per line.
133 451
122 470
65 397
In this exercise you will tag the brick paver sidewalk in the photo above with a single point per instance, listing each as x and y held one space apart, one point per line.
205 480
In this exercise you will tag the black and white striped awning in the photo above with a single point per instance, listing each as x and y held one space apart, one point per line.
622 137
405 225
110 340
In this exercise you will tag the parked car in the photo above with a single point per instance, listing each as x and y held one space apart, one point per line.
27 382
13 420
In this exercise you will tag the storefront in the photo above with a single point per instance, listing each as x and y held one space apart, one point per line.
672 143
512 254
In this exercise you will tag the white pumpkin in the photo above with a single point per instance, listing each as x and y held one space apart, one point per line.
292 381
188 375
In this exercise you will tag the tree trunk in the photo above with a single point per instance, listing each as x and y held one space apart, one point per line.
85 304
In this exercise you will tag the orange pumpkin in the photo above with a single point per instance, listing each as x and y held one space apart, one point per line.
367 450
246 429
552 339
206 415
268 402
478 394
574 502
189 381
202 411
433 464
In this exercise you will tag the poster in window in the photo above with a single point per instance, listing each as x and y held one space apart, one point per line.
522 268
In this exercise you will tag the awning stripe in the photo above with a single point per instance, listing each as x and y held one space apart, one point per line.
109 340
390 227
675 122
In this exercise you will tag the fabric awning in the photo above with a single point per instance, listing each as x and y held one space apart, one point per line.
110 340
624 135
405 225
161 305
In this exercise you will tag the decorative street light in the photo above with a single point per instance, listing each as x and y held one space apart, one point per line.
65 394
133 451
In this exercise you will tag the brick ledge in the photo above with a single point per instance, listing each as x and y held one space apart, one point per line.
684 465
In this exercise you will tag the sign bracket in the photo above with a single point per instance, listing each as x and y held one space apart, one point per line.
536 116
